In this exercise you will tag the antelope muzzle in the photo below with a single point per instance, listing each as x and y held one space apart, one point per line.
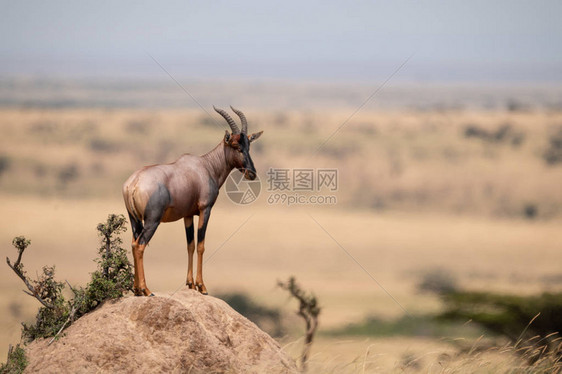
250 174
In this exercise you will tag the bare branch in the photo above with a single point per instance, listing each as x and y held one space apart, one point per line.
69 319
21 244
308 310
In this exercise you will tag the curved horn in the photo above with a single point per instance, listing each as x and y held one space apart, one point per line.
231 123
242 119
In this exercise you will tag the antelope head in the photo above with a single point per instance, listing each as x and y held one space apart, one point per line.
237 144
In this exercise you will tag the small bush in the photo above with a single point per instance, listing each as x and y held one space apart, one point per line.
530 211
207 121
15 309
5 163
139 126
103 145
281 119
50 319
438 281
503 134
68 174
51 316
114 276
17 361
516 106
517 317
267 319
112 279
553 154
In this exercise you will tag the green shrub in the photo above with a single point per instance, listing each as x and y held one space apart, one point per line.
5 163
438 281
114 276
517 317
50 319
553 154
54 311
112 279
267 319
407 325
17 361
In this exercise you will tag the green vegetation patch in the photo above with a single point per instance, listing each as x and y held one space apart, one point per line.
268 319
112 279
408 325
17 361
517 317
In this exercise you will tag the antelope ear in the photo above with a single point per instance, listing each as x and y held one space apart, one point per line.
226 137
254 136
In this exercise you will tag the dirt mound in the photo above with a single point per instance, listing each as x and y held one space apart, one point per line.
183 333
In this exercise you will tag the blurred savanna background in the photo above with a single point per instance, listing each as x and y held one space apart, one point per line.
444 122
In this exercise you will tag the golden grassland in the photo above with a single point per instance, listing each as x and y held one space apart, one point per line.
415 194
491 254
413 160
422 355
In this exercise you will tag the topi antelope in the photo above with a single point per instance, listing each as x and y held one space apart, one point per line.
185 188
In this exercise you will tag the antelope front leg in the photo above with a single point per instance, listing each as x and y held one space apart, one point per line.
202 228
190 235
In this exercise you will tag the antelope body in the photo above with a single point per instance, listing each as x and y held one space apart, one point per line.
185 188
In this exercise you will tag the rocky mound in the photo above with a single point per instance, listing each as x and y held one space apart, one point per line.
183 333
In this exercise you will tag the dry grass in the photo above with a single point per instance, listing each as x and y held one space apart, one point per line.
412 160
422 355
415 194
488 254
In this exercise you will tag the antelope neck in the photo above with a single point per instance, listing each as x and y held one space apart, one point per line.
217 163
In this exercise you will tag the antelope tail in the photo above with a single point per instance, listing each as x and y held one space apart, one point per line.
129 194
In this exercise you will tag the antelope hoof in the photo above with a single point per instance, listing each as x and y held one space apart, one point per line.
142 292
190 285
201 288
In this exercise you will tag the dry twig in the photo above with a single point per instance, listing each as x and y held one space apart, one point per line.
308 310
21 243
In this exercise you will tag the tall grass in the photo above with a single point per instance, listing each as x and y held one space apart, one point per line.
530 356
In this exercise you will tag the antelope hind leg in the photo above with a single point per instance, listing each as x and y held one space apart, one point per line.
140 289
